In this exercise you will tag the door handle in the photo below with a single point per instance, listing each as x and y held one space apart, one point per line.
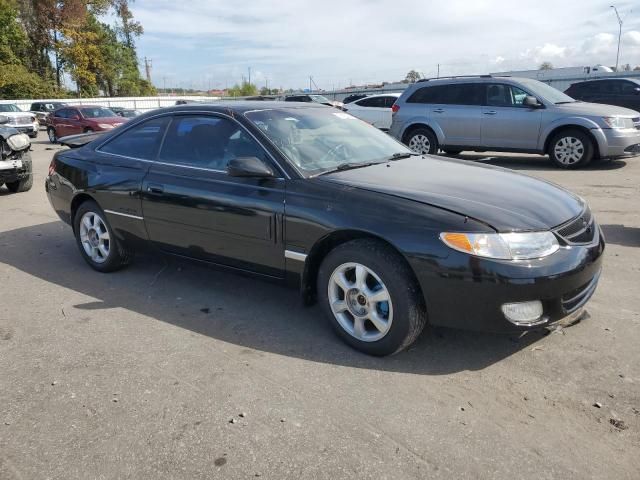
438 110
490 112
155 189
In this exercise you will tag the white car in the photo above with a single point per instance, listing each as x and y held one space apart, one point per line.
374 109
24 122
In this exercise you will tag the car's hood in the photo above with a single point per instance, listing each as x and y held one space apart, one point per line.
108 120
503 199
598 109
17 114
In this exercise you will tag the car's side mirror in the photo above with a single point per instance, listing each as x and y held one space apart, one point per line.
637 90
4 119
531 102
249 167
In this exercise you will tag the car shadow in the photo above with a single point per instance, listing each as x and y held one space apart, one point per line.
237 309
622 235
531 162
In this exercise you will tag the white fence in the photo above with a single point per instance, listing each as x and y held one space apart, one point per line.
139 103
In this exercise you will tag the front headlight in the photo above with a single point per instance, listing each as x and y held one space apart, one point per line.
18 142
106 126
504 246
618 123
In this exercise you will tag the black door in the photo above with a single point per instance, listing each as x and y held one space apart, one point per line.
193 208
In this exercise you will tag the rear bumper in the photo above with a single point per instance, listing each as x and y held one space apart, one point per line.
468 292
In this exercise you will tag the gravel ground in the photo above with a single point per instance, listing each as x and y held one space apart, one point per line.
168 370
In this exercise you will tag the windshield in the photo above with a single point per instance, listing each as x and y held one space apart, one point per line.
97 112
317 140
9 107
546 92
50 107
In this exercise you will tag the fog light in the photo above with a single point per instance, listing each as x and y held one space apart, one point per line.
524 313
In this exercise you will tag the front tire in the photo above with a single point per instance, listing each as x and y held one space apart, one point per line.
422 141
96 239
371 298
571 149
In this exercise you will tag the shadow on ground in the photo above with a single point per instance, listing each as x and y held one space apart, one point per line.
532 162
622 235
236 309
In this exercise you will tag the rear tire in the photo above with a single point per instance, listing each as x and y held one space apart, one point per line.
25 183
422 141
371 297
570 149
96 239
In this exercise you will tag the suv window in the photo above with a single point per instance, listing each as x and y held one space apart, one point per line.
207 142
141 141
502 95
63 113
389 101
453 94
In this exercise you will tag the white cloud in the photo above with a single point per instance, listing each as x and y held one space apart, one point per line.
366 41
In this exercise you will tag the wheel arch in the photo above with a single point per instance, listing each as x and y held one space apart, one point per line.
78 200
415 126
322 247
581 128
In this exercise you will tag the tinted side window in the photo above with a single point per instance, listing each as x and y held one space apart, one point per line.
463 94
141 141
207 142
427 94
630 88
501 95
372 102
61 113
609 87
389 101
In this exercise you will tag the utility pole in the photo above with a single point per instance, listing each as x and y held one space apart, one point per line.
249 75
438 75
620 21
147 68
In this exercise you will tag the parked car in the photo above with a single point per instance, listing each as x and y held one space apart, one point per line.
15 160
309 98
353 97
128 113
624 92
374 109
75 119
42 109
383 238
24 122
513 115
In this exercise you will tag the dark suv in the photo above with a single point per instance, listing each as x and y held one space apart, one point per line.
624 92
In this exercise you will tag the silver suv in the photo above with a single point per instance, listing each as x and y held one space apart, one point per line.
514 115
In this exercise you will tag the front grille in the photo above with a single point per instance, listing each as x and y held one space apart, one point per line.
579 230
22 120
575 299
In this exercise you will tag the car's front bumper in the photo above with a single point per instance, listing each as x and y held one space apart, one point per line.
29 128
614 143
468 292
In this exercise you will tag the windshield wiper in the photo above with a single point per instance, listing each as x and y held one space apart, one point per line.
348 166
401 155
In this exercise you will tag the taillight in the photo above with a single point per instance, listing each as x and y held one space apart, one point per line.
52 167
394 108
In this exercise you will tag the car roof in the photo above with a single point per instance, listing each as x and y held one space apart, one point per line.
240 106
390 94
591 80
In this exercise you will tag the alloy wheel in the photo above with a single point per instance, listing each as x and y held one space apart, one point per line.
420 144
52 135
360 302
569 150
94 237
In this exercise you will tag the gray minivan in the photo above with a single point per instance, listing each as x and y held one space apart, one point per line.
514 115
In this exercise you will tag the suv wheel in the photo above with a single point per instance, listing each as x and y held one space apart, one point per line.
371 298
96 240
422 141
52 135
571 149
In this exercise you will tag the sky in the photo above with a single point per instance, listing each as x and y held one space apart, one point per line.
213 43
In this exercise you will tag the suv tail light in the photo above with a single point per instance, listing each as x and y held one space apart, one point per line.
52 166
394 108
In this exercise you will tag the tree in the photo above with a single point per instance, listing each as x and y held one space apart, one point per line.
245 89
546 66
637 68
129 28
412 76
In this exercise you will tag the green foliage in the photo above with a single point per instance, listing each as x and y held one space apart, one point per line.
245 89
412 76
546 66
99 58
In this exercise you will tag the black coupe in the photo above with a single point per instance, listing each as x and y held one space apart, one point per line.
385 239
